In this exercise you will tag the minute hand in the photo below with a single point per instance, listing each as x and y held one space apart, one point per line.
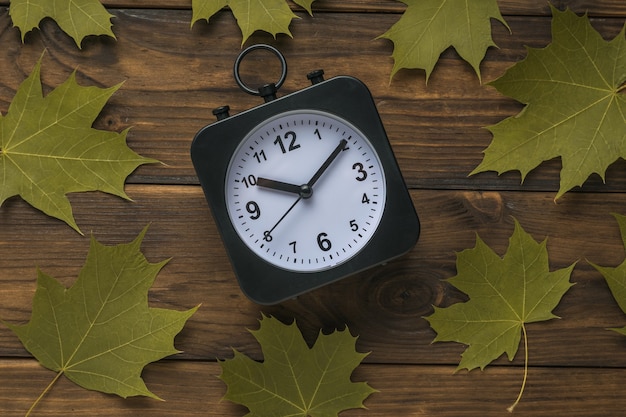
327 162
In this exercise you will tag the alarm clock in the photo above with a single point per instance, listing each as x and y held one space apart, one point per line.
304 189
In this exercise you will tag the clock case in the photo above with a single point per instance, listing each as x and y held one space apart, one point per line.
215 144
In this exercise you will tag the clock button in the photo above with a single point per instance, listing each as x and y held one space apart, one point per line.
316 76
221 112
268 92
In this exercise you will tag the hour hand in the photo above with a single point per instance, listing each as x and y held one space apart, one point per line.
278 185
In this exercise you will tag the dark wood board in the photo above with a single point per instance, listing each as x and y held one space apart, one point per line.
437 129
390 302
173 75
507 7
193 389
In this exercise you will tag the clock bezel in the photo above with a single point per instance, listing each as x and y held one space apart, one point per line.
349 99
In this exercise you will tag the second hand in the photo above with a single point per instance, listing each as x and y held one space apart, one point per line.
267 235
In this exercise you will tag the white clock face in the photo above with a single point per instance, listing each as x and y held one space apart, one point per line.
305 191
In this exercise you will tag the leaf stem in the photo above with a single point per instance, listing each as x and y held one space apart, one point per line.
43 394
521 391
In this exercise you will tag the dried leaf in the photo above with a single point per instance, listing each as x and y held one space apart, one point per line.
574 106
48 147
429 27
505 294
77 18
295 380
100 333
272 16
616 277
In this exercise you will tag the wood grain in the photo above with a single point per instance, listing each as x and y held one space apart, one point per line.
193 389
437 130
384 306
507 7
173 75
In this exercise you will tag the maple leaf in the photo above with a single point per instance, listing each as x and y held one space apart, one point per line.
574 108
272 16
295 380
77 18
100 332
505 294
48 147
429 27
616 277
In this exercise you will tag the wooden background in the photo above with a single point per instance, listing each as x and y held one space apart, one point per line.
173 76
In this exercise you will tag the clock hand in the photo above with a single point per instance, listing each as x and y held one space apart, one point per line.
304 190
278 185
267 235
327 162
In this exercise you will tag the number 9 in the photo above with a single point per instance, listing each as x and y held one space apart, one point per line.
253 208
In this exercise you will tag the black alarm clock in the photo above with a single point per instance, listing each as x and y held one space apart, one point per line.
304 189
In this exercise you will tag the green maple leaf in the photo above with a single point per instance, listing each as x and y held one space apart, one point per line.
505 294
77 18
574 108
272 16
100 333
616 277
429 27
48 147
295 380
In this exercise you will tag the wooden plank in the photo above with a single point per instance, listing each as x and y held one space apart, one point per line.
384 306
170 86
507 7
193 389
173 76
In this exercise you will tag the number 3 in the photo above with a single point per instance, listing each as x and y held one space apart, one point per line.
359 167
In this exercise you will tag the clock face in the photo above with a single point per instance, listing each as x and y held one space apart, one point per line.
305 190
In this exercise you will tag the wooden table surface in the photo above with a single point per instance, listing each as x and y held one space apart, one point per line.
174 76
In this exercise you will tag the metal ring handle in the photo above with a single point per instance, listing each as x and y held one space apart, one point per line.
283 64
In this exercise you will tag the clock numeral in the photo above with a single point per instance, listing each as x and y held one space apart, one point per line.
259 156
249 181
292 143
354 226
365 199
323 243
253 208
293 245
359 167
317 133
267 236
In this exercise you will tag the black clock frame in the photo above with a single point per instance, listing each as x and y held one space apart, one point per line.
215 144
